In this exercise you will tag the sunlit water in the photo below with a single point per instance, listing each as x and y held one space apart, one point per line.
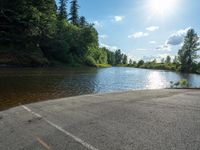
19 86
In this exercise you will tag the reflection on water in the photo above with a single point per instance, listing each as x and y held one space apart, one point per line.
32 85
156 80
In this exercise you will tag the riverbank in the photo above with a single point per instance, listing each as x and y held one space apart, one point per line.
160 67
153 119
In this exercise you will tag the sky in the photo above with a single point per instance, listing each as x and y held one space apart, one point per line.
143 29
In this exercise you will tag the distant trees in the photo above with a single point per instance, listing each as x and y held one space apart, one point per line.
125 59
168 60
163 60
140 63
111 57
130 62
118 57
185 61
188 53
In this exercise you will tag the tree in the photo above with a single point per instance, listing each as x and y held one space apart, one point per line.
175 61
74 12
62 11
188 53
130 61
140 63
168 60
118 57
125 59
34 33
111 57
83 22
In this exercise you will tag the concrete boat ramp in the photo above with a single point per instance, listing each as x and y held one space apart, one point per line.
135 120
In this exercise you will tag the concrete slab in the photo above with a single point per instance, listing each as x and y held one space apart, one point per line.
149 119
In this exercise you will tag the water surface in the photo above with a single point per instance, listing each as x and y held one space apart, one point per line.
20 86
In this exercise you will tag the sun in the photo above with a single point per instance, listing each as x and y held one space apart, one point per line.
162 7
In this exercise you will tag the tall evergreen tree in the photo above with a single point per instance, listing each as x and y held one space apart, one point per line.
188 52
83 22
118 57
125 59
74 12
62 14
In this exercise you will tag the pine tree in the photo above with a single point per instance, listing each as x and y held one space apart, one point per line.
74 12
125 59
188 52
62 10
83 22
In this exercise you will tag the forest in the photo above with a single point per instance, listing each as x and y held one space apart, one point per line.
42 33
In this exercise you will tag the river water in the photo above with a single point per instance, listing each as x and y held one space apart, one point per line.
21 86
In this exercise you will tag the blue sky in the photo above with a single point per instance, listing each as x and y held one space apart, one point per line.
142 28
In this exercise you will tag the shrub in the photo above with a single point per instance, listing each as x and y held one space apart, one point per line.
180 84
90 61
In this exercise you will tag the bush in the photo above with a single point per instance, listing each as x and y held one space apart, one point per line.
90 61
180 84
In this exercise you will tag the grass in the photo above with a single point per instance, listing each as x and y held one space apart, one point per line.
103 65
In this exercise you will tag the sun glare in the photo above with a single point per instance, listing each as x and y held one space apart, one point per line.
162 7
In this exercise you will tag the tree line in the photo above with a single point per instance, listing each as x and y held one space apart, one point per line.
40 33
185 61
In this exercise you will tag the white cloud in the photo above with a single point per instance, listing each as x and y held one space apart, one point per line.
149 58
157 57
118 18
152 42
152 28
165 55
164 47
138 35
97 24
112 48
178 37
103 36
141 49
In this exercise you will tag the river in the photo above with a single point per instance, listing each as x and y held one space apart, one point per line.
21 86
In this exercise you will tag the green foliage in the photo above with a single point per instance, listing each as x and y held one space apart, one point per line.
36 33
111 57
188 53
118 57
89 60
168 60
180 84
198 68
125 59
103 65
140 63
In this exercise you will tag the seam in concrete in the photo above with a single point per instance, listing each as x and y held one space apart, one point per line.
85 144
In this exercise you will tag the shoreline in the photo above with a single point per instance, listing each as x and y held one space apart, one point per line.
4 108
